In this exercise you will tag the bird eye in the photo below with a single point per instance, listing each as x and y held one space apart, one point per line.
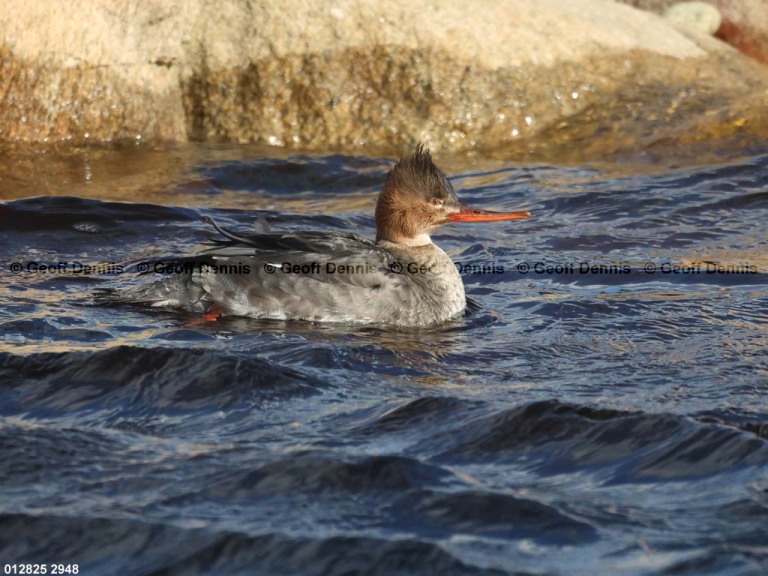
436 202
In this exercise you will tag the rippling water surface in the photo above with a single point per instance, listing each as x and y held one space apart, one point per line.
601 421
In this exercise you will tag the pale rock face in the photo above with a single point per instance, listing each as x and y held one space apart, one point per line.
490 74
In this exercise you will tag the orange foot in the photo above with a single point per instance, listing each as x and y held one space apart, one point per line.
211 316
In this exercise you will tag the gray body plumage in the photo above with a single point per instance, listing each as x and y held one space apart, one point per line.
326 277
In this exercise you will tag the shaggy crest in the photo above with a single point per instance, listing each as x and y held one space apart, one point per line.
417 174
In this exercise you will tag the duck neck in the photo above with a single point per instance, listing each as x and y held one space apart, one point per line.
422 239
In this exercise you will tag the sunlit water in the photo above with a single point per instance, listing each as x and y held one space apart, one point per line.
576 420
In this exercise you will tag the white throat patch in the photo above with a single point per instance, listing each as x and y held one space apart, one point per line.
420 240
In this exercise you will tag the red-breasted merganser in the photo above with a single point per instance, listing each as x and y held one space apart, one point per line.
402 279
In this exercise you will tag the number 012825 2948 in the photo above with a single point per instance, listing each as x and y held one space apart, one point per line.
31 568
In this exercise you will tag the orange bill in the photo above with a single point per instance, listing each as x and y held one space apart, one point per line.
468 214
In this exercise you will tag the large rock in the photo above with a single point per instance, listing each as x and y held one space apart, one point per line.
511 76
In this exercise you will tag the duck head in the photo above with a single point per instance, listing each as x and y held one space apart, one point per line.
418 198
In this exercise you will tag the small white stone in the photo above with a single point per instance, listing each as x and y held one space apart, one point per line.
695 16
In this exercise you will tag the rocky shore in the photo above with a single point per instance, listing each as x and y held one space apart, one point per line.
583 79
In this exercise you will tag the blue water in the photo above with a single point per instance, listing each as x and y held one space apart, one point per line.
572 422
